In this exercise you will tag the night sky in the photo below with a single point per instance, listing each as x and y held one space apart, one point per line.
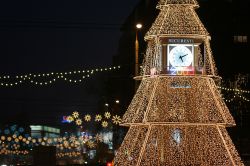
58 35
54 36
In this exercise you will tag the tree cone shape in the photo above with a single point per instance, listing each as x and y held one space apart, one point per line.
177 18
177 116
177 145
182 99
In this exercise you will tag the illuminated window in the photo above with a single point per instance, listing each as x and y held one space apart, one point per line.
240 39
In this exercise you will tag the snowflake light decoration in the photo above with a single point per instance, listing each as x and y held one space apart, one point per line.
116 119
87 118
70 118
75 114
104 124
78 122
98 118
98 137
107 115
90 144
72 138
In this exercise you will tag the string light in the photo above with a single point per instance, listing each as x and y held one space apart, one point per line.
44 79
237 93
12 142
62 143
234 90
234 97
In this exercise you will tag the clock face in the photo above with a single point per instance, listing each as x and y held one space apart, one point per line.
180 55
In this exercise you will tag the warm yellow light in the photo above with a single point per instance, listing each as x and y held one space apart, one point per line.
138 26
172 124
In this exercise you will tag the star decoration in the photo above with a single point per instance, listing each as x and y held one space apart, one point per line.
98 118
87 118
107 115
72 138
78 122
90 144
75 114
116 119
98 138
70 118
104 124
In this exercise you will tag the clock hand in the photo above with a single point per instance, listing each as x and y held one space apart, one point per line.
184 55
180 57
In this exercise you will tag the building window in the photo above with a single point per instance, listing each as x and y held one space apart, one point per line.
240 39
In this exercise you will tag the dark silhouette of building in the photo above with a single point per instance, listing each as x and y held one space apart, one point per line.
44 155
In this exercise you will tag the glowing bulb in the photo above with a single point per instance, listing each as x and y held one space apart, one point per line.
138 26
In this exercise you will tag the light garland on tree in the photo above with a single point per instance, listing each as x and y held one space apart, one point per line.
177 118
44 79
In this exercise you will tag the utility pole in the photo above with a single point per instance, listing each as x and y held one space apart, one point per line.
138 27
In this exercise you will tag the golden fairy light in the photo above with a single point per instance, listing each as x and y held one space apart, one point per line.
78 122
75 114
98 118
107 115
87 118
177 116
104 124
116 119
45 79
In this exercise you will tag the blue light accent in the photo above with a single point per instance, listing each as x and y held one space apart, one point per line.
6 131
21 130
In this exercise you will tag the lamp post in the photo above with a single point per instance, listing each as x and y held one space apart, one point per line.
138 27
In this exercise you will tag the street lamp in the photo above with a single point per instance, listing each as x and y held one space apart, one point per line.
138 27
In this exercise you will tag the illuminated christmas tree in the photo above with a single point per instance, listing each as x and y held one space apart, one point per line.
177 116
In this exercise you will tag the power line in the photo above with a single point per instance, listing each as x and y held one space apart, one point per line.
45 23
